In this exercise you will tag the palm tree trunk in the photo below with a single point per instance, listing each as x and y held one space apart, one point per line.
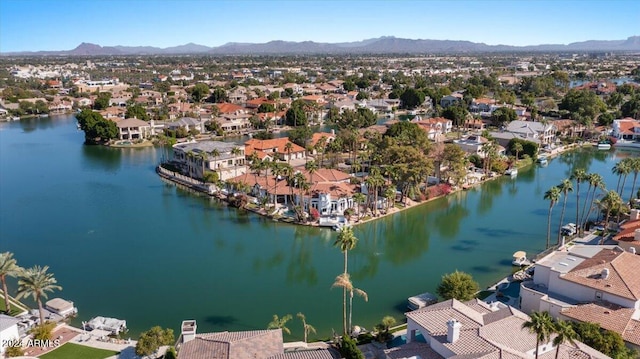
564 206
557 351
624 181
618 185
537 347
350 310
40 309
7 305
584 207
633 187
549 227
577 204
344 311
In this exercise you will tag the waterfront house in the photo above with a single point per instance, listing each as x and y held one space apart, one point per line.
188 123
330 191
276 148
474 145
475 329
253 344
539 132
133 129
626 129
598 284
327 137
196 157
435 127
482 106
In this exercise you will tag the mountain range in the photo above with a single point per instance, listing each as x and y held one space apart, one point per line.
381 45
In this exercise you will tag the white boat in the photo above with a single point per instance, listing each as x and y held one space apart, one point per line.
627 144
520 259
511 172
421 301
569 229
113 325
604 145
542 160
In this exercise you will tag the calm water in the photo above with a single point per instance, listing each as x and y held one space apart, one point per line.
125 244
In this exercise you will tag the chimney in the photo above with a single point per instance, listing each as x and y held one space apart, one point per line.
636 235
605 273
453 330
188 330
634 214
632 250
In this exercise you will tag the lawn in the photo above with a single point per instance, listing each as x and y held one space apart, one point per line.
73 351
15 310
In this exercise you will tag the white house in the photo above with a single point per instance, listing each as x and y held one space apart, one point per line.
8 330
132 128
626 129
588 283
475 329
474 145
539 132
197 157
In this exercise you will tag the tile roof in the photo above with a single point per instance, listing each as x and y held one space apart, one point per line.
255 344
623 280
408 350
278 143
226 107
305 354
131 122
628 231
318 135
609 316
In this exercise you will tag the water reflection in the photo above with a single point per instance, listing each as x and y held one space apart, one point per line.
448 220
32 124
100 157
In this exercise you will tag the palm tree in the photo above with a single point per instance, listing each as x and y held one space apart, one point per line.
553 195
306 326
276 170
344 281
321 147
564 333
590 178
390 194
540 324
311 167
346 241
625 170
215 153
280 323
36 282
578 175
635 168
287 172
288 148
565 187
598 183
8 268
620 169
611 202
236 151
359 198
374 182
517 148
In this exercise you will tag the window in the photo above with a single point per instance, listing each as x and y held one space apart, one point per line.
598 295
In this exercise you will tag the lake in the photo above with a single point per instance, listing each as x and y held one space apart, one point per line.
123 243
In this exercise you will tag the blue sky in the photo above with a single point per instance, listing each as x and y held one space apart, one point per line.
31 25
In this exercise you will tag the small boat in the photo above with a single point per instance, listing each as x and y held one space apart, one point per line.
542 160
511 172
520 259
421 301
569 229
604 145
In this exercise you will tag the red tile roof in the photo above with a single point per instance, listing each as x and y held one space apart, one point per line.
278 144
226 107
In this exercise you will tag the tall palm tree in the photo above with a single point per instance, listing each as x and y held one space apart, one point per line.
517 148
540 324
598 184
8 268
346 241
288 148
276 170
236 151
311 167
625 170
36 282
287 172
215 153
358 198
578 175
565 187
374 182
553 195
308 328
280 323
390 194
635 168
620 169
590 179
611 202
564 333
344 281
321 147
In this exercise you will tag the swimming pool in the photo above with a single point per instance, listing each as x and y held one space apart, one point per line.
402 339
511 289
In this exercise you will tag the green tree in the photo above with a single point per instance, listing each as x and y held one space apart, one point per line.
517 148
553 195
631 108
295 115
43 331
344 281
280 323
457 285
102 101
171 353
411 98
383 327
306 327
610 203
8 268
138 111
348 348
266 107
503 115
540 324
13 351
218 95
362 95
96 128
564 333
199 92
456 113
151 340
36 282
583 105
349 85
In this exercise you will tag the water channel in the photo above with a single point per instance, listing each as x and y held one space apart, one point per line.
125 244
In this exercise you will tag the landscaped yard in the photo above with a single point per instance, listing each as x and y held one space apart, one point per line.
75 351
15 310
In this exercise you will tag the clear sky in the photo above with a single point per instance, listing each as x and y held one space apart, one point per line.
32 25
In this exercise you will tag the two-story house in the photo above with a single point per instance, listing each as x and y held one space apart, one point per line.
194 158
598 284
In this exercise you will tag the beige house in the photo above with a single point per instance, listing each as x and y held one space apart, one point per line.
133 129
197 157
